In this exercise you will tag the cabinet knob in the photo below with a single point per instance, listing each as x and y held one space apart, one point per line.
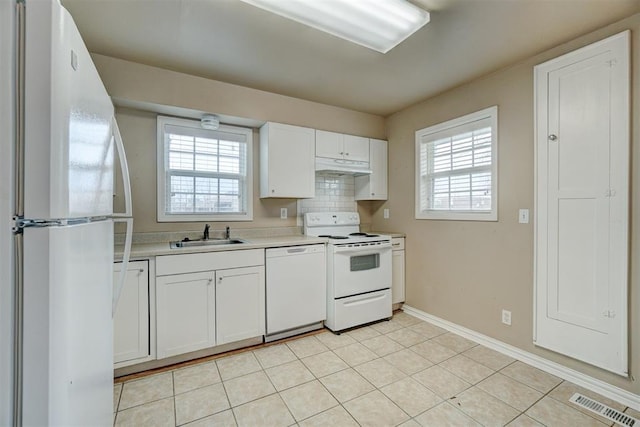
273 191
342 152
552 137
373 194
346 154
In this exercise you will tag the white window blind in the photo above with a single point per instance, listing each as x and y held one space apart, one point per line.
456 166
205 173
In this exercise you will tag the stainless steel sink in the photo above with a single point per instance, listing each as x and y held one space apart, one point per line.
208 242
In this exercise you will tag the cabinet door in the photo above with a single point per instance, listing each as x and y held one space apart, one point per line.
356 148
378 154
131 319
374 186
240 304
397 281
185 312
287 157
329 144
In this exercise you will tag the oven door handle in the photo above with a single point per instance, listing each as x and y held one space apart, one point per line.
364 250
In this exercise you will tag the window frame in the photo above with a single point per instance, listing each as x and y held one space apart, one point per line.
162 171
491 114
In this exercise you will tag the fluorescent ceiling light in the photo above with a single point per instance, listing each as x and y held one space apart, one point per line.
377 24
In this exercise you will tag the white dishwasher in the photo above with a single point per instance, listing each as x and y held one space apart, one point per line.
296 290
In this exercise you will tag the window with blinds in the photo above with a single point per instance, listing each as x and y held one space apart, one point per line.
456 168
205 174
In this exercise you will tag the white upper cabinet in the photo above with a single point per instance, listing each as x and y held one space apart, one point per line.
340 146
374 186
356 148
329 144
287 161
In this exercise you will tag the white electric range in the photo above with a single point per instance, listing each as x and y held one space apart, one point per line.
358 269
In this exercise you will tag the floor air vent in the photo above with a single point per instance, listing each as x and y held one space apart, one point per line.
603 410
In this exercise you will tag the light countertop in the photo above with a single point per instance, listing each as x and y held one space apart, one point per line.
146 250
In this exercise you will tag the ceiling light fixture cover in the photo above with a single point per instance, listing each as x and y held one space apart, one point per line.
210 122
377 24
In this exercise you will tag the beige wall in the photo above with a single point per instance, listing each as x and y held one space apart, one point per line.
159 90
466 272
131 82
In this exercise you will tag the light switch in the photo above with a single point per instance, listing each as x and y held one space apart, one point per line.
523 216
284 213
385 213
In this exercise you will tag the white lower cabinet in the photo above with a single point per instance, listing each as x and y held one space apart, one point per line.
240 304
208 299
397 270
186 318
131 319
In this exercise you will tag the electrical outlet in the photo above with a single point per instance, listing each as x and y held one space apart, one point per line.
506 317
283 213
385 213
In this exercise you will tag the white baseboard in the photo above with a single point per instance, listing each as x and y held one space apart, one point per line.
612 392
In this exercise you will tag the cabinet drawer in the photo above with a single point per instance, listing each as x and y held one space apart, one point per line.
206 261
397 243
360 309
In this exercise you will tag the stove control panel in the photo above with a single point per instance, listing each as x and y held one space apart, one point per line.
318 219
378 243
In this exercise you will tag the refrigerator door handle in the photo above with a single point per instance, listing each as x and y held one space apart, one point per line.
124 168
126 216
125 262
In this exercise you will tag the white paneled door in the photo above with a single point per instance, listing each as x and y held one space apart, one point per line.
582 202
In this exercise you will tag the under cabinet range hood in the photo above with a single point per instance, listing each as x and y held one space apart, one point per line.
342 166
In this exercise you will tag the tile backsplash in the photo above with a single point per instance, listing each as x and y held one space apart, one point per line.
333 193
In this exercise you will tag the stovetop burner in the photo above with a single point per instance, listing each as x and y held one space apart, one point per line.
364 234
341 228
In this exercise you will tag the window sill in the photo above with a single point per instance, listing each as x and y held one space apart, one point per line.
203 218
458 216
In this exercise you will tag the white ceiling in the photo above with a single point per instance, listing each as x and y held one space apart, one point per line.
234 42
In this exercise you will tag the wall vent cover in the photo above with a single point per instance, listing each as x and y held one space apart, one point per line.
603 410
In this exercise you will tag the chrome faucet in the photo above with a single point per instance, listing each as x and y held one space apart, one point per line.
205 235
227 233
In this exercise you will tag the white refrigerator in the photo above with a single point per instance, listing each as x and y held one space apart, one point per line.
62 190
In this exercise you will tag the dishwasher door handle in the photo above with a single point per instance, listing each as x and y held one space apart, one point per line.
296 250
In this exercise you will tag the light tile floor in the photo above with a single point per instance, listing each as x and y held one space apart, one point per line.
398 372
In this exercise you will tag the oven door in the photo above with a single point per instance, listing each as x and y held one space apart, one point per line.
357 270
